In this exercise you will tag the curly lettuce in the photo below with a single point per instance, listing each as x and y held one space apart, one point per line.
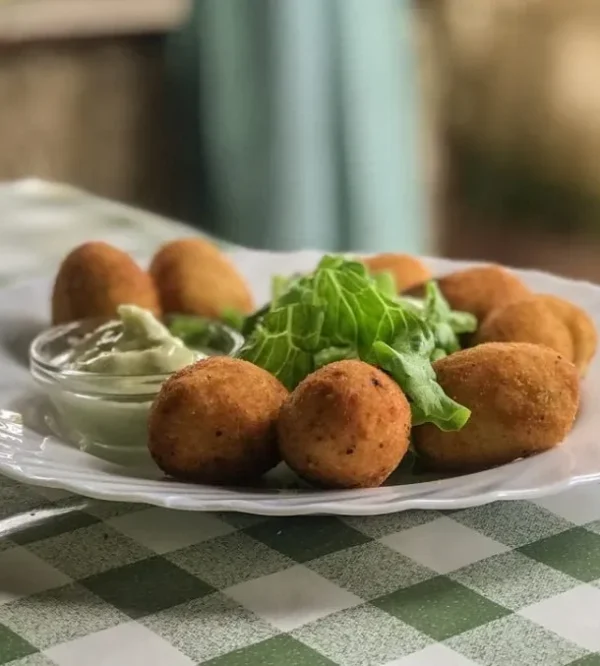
447 324
341 312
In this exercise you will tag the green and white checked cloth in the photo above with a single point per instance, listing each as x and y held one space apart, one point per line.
88 583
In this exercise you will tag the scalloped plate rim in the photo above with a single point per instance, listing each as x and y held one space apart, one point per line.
574 463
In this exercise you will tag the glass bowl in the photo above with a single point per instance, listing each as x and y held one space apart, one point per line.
106 412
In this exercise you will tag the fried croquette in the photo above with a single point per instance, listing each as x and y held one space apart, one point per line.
527 320
214 422
481 289
523 399
345 426
94 279
194 277
408 271
584 336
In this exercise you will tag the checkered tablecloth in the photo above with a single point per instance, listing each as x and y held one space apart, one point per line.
88 583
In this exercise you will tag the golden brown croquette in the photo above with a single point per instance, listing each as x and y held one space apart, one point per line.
408 271
94 279
194 277
580 325
214 422
345 426
527 320
523 399
482 289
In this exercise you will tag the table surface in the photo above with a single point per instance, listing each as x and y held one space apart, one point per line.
100 583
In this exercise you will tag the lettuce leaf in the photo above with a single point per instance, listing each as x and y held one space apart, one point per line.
386 283
417 378
233 318
447 325
340 312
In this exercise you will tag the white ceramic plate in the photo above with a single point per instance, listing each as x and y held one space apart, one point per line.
29 453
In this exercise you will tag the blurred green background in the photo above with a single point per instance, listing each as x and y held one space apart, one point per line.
469 128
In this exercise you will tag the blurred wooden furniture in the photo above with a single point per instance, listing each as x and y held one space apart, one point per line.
512 91
82 95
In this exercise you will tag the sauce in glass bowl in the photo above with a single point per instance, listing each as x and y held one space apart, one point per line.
102 376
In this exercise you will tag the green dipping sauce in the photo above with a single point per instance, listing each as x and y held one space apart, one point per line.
120 366
136 344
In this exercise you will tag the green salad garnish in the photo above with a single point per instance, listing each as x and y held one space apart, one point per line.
386 283
341 312
200 334
447 324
